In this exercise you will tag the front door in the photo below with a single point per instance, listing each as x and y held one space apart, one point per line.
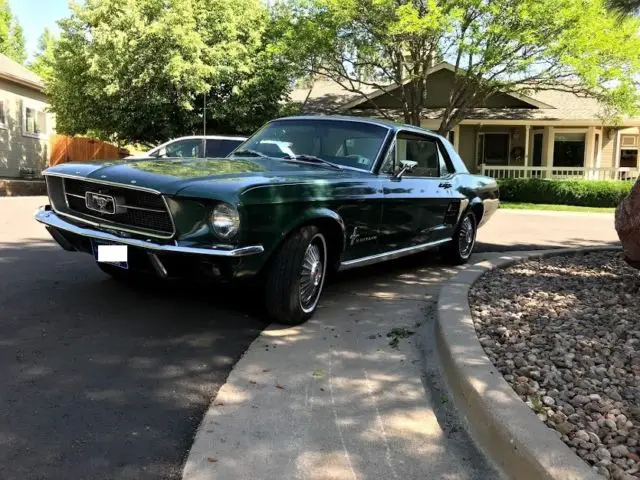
415 205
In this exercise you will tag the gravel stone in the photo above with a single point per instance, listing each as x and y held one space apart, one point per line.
565 333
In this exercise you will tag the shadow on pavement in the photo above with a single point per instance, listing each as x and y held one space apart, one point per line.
104 380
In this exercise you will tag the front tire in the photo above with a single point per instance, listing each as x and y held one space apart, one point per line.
460 248
296 277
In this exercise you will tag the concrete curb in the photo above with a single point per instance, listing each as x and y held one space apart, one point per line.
505 427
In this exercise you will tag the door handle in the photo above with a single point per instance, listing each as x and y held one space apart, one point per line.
445 185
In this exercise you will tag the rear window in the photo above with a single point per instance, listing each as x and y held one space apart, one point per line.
220 147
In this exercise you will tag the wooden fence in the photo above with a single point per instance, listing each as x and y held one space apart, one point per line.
81 149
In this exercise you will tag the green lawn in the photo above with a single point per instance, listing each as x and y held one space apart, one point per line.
558 208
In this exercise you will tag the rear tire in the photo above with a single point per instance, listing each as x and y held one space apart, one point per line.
460 248
296 276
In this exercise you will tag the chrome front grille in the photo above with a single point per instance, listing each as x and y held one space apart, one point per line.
133 210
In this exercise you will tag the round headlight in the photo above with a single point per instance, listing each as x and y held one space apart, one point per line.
225 220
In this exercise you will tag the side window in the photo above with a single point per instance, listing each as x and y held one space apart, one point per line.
184 148
388 163
423 150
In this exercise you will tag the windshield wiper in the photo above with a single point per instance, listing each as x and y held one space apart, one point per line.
312 158
249 152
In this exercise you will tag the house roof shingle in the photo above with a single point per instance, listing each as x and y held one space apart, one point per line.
13 71
328 97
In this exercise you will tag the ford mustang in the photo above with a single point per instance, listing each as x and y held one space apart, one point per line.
301 198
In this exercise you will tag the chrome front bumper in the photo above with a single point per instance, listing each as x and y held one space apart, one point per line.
48 217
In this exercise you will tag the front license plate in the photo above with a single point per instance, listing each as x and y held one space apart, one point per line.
110 253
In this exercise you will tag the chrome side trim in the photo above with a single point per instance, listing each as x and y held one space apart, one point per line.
51 218
381 257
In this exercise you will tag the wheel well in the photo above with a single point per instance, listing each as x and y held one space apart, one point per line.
334 236
478 212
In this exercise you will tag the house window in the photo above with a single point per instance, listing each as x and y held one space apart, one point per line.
34 122
3 113
568 150
494 148
629 141
537 150
629 158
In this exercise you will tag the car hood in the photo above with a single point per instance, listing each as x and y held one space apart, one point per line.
195 177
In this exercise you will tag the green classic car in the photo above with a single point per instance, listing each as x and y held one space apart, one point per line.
303 197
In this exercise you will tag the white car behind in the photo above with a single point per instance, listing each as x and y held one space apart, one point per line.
195 146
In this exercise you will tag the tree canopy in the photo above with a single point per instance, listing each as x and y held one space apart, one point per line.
513 46
12 43
138 70
45 56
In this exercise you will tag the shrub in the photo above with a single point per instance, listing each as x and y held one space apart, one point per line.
586 193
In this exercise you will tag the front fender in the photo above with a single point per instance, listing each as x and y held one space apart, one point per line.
315 214
270 226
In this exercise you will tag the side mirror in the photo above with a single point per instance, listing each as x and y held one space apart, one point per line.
405 166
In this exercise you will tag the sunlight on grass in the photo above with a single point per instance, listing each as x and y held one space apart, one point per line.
557 208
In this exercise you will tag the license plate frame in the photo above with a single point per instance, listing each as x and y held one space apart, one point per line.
94 247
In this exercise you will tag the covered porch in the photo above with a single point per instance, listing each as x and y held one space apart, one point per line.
518 149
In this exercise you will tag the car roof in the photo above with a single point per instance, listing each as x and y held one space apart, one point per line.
209 137
368 120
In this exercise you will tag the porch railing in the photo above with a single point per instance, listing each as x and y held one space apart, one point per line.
574 173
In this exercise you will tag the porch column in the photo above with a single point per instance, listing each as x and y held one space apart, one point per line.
548 138
590 139
456 138
527 132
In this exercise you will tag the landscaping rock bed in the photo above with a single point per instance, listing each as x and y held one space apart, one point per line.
565 333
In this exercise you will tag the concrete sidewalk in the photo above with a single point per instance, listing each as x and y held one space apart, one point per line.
333 399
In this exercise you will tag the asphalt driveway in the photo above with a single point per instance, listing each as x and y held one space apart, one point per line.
97 380
103 381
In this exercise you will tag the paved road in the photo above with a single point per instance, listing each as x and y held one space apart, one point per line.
98 380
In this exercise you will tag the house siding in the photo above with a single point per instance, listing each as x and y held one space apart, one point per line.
17 150
439 88
467 146
608 153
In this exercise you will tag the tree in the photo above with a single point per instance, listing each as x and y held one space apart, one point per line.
513 46
12 43
625 7
138 70
44 59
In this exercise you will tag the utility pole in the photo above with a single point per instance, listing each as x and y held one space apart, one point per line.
204 114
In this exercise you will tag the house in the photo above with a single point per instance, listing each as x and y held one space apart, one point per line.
25 124
550 134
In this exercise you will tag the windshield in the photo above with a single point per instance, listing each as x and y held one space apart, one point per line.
346 143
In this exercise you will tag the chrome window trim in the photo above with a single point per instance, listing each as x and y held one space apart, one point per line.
115 226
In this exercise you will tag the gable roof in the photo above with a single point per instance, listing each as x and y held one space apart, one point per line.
328 97
14 72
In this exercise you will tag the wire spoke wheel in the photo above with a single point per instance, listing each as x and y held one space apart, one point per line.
312 273
466 237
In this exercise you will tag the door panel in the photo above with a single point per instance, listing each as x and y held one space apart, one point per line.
415 205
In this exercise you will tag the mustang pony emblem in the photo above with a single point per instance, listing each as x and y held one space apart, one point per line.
100 203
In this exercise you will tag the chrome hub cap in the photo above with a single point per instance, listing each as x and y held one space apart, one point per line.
466 238
312 275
